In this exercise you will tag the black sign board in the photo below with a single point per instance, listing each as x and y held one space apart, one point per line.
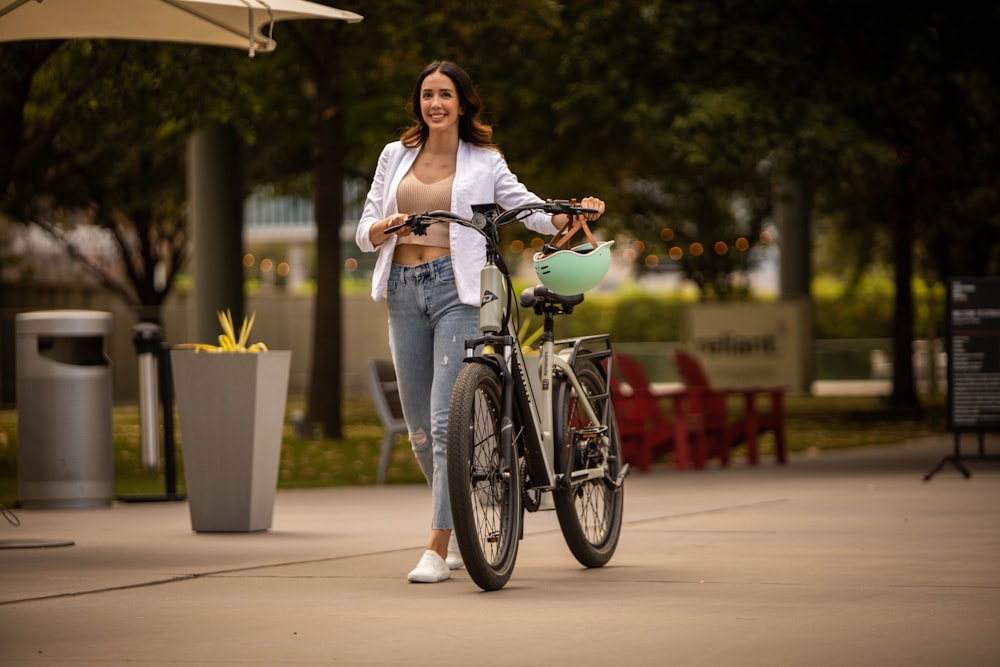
973 365
974 354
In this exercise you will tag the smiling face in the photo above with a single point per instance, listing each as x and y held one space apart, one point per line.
439 103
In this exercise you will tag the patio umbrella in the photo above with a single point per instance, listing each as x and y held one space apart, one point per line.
234 23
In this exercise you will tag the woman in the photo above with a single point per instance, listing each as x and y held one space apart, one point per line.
445 161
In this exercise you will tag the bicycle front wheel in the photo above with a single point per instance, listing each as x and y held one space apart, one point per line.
483 479
590 513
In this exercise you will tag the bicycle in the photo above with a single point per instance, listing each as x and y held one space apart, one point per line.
506 446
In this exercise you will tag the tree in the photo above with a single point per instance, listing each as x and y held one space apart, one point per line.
693 154
104 131
683 115
923 88
18 66
886 117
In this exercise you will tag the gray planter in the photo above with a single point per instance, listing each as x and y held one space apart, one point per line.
231 410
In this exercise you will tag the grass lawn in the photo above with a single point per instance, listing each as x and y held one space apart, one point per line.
811 422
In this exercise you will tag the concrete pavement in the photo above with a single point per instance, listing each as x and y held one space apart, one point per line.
839 558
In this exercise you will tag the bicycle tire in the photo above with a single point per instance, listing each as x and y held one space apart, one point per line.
483 480
590 513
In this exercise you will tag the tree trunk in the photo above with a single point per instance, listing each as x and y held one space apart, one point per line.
791 212
325 386
904 393
215 218
16 82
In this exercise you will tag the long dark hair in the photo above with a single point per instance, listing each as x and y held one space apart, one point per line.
470 128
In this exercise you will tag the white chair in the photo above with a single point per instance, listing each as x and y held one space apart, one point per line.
940 364
881 367
385 393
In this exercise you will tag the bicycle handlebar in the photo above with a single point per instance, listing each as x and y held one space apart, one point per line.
419 222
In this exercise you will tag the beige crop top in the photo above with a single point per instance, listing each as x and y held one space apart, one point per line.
415 196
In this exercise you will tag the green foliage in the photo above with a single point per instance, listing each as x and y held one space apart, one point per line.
104 142
636 317
852 318
815 424
680 114
865 309
640 316
308 461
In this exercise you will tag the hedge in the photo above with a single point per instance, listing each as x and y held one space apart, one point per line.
640 317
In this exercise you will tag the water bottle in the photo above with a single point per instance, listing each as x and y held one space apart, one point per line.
494 297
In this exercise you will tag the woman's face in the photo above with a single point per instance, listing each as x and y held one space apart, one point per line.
439 104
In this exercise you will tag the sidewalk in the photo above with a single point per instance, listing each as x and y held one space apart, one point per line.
839 558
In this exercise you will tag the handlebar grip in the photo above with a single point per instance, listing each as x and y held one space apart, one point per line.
414 221
556 206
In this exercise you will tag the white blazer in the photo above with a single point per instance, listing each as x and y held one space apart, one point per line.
481 177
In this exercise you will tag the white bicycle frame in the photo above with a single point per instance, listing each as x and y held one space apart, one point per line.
540 412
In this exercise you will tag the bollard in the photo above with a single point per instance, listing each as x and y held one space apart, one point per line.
148 338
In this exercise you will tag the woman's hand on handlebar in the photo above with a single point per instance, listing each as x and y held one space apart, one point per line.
594 203
395 225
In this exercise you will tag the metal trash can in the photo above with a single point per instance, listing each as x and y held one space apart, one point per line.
65 452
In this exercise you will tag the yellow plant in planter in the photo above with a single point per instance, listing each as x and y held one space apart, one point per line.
231 408
228 342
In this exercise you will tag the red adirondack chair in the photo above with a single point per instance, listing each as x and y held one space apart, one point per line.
726 428
647 432
642 426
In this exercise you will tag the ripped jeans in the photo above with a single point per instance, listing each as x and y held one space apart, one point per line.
428 327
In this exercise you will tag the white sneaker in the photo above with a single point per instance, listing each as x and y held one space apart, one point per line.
454 559
430 570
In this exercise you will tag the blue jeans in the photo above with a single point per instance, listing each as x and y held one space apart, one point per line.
428 327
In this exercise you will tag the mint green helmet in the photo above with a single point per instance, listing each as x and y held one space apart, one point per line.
574 270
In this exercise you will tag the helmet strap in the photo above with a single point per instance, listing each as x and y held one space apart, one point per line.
572 226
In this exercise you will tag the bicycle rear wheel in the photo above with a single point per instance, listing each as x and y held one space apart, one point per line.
483 480
590 513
